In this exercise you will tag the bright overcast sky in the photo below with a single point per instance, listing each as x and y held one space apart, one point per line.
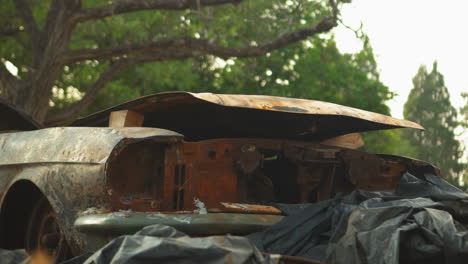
408 33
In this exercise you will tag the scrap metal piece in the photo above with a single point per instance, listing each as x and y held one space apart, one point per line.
125 118
250 208
350 141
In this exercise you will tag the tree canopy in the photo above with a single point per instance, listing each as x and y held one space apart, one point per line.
429 104
464 112
59 46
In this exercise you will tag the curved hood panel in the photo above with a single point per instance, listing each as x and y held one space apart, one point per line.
73 144
207 115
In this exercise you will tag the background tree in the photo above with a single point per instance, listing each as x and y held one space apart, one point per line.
429 104
464 112
464 125
84 44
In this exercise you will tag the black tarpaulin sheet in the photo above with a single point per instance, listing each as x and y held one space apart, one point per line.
412 224
164 244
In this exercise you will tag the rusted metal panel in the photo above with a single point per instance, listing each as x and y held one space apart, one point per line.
413 166
251 171
232 116
71 144
13 118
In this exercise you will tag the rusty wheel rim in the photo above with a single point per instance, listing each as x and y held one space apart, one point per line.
44 233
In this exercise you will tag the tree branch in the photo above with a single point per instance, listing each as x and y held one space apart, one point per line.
24 11
203 46
126 6
74 110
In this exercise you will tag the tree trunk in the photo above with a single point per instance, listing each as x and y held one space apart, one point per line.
34 91
33 97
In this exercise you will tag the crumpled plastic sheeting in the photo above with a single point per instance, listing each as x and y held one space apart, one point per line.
13 256
164 244
411 224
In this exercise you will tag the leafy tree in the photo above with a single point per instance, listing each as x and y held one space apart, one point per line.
63 45
429 104
464 112
464 125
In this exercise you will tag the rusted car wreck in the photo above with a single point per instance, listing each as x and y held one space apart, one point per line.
203 163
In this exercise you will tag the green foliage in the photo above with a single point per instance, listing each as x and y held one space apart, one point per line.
388 142
464 125
229 25
429 104
316 70
464 112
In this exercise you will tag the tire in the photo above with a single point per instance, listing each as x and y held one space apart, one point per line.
43 232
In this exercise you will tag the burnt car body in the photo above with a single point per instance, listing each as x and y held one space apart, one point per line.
204 163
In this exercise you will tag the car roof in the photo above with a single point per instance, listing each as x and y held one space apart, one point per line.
14 118
207 115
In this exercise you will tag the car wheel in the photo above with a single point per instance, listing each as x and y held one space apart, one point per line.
43 232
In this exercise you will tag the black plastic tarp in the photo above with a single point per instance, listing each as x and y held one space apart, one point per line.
412 224
164 244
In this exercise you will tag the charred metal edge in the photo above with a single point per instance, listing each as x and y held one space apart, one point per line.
103 116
